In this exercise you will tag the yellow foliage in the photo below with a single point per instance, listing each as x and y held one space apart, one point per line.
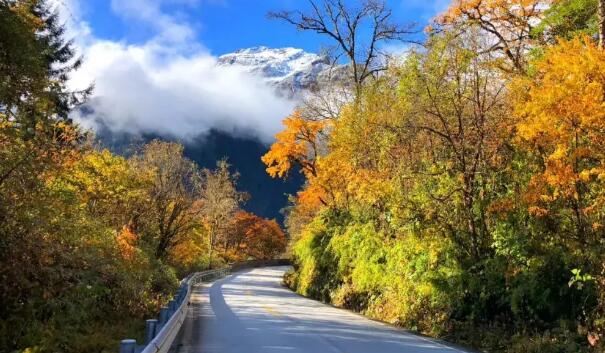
257 237
562 117
506 22
312 196
295 145
188 251
127 243
497 10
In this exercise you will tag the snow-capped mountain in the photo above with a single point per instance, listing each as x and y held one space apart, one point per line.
290 70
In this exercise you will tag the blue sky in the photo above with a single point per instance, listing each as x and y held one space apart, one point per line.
154 67
224 26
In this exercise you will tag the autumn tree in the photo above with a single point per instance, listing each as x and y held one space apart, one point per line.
561 121
175 192
560 108
110 187
256 237
220 200
457 118
568 19
236 245
508 23
190 253
297 145
265 240
306 132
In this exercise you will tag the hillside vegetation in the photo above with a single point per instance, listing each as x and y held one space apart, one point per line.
92 243
460 192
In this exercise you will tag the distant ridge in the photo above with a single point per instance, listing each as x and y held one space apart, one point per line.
291 70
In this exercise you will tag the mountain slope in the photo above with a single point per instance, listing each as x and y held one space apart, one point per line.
290 70
268 196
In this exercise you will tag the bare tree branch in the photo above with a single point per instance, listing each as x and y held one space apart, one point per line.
344 25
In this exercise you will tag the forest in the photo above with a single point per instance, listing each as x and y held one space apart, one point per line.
93 243
458 189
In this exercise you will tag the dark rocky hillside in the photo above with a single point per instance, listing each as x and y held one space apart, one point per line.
269 195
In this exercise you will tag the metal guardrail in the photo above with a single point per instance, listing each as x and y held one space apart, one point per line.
161 333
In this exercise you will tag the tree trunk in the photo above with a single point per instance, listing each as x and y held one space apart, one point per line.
161 249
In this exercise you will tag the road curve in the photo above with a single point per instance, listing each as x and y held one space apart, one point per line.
251 312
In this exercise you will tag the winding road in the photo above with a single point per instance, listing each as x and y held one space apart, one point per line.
251 312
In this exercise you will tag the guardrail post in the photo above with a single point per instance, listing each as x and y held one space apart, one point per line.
163 316
128 346
150 330
154 328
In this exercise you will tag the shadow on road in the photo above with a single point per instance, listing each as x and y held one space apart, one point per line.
251 311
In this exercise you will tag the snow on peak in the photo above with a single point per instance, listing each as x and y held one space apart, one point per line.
289 69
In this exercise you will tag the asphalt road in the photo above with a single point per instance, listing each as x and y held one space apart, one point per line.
251 312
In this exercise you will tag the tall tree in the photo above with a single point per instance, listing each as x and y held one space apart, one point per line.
345 25
561 110
509 24
458 109
568 19
175 192
296 145
36 64
220 201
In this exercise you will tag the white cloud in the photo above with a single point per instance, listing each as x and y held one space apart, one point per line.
397 50
138 90
70 12
149 12
428 9
165 85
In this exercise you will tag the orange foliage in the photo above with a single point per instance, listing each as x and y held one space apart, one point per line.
312 197
509 22
295 145
562 112
188 251
494 10
265 240
260 238
127 243
237 247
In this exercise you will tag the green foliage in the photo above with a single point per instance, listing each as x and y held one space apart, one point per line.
90 242
465 201
568 19
355 265
67 275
